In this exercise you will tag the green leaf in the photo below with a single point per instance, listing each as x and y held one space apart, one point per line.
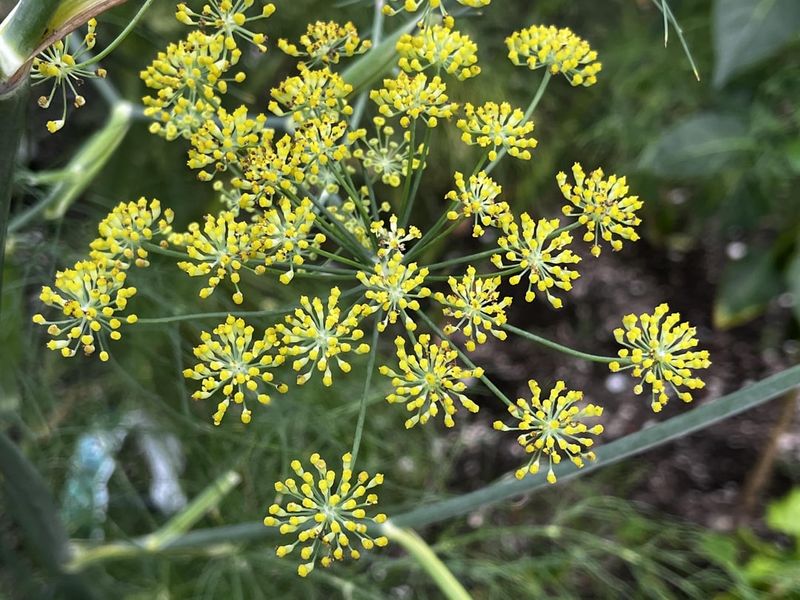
370 66
793 281
700 145
30 504
749 31
747 286
784 515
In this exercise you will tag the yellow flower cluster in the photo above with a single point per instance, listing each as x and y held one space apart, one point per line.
476 303
476 200
392 240
269 169
659 351
220 142
187 77
413 97
602 205
553 428
395 288
497 126
429 379
560 50
90 297
440 47
232 361
285 236
319 333
540 251
66 68
326 42
229 19
124 231
385 156
428 6
312 94
220 249
327 516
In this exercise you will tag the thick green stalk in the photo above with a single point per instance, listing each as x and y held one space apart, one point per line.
427 559
12 122
684 424
21 33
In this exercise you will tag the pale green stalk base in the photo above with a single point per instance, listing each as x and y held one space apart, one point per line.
427 559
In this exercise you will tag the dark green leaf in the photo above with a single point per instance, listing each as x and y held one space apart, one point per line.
747 286
30 503
749 31
700 145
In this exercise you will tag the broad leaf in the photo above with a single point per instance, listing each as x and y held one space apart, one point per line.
749 31
747 286
700 145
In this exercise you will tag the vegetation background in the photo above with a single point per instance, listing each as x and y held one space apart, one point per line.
718 165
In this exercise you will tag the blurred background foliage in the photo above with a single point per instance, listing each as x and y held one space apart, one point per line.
718 164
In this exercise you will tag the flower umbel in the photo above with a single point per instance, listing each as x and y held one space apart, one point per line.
394 287
540 253
497 126
325 42
387 157
313 93
429 379
476 199
229 19
224 140
66 68
560 50
233 361
553 428
476 303
220 250
326 516
439 46
659 352
126 228
318 334
602 205
411 98
89 295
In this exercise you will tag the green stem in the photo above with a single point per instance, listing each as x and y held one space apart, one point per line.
341 259
417 178
692 421
120 38
463 356
528 113
214 315
362 411
556 346
464 259
21 33
12 124
236 313
427 559
409 171
176 527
